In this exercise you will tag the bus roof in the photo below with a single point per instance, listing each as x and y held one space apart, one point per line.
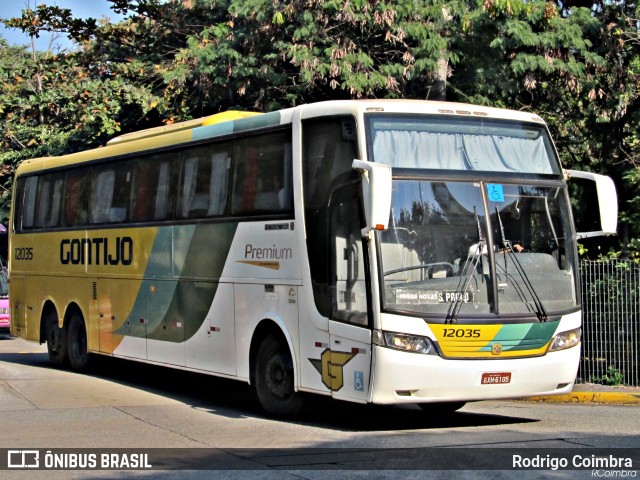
235 121
154 138
186 125
428 107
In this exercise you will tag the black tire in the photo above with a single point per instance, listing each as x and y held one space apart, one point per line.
77 342
273 376
56 339
443 408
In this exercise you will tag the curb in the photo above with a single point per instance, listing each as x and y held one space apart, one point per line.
591 397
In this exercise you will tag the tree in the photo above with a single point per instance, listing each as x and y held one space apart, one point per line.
264 55
51 105
576 66
574 62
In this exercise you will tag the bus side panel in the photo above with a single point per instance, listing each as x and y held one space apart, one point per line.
166 325
130 329
135 302
124 332
313 344
106 315
213 347
92 322
181 271
17 297
254 303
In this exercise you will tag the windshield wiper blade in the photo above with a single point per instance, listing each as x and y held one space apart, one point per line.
474 256
541 312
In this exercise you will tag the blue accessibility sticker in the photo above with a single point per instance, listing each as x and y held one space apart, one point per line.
495 192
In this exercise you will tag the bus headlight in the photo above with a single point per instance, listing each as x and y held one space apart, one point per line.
567 339
409 343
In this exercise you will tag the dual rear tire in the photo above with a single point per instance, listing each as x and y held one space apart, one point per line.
67 345
56 339
77 342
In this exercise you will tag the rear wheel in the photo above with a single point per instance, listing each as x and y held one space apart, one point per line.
442 408
274 378
77 342
56 338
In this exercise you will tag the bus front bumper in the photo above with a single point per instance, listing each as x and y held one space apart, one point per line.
401 377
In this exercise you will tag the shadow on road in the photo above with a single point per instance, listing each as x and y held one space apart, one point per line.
236 399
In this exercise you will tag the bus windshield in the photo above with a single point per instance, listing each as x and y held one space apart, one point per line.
445 255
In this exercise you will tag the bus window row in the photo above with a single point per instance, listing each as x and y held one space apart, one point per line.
248 176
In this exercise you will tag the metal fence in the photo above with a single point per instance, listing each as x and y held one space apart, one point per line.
611 323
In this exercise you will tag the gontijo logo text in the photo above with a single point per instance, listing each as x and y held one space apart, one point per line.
96 251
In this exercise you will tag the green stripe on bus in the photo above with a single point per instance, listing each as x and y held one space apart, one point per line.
235 126
538 335
523 336
175 306
204 259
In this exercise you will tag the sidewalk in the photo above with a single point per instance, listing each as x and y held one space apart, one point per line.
593 393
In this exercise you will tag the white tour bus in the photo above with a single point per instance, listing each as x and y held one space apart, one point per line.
373 251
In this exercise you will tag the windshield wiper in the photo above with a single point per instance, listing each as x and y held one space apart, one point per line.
541 312
474 256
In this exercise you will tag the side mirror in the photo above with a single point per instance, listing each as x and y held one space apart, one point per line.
376 193
607 202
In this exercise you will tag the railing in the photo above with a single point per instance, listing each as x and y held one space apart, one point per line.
611 323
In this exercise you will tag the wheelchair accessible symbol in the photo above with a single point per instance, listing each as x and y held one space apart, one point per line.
358 381
496 192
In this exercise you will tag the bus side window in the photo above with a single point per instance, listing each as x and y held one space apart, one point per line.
244 181
76 193
153 188
219 182
262 181
49 201
110 194
27 202
204 181
140 199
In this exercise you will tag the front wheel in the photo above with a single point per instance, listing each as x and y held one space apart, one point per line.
274 378
56 341
77 342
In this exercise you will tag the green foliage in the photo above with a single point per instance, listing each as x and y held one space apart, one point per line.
54 105
612 377
576 64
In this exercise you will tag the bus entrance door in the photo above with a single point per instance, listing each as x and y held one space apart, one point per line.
349 332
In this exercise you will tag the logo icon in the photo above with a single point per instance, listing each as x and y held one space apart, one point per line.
23 459
496 348
330 365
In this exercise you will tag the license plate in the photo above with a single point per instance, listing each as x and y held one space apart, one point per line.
496 378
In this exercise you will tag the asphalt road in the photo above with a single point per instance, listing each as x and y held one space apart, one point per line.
217 430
